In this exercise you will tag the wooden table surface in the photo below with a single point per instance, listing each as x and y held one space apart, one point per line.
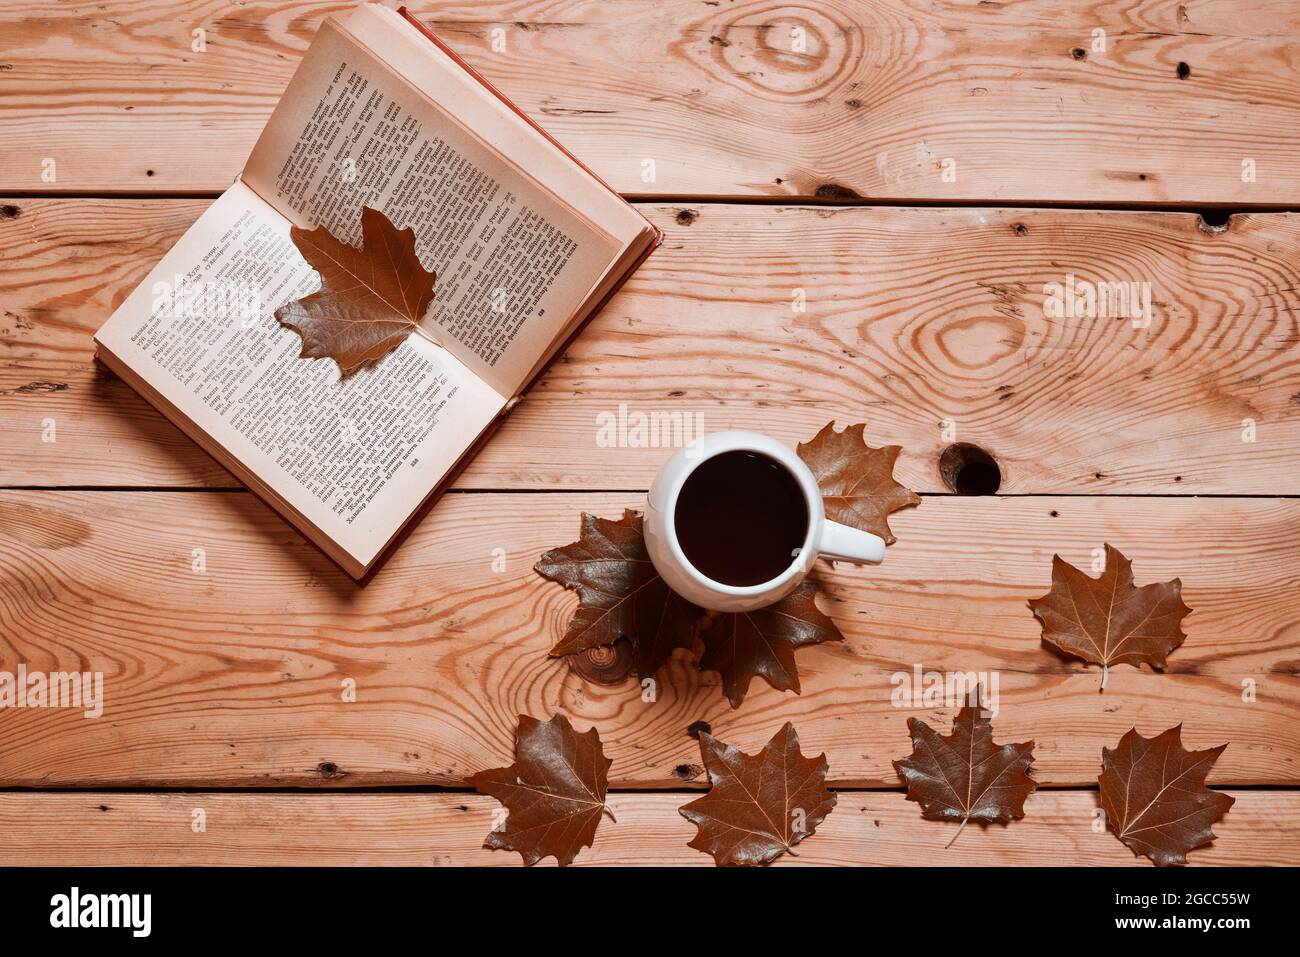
1074 152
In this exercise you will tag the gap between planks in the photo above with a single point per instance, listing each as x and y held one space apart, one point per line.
687 200
548 490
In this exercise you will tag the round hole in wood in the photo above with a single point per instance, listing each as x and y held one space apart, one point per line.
969 470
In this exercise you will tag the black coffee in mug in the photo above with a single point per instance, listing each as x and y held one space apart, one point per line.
740 518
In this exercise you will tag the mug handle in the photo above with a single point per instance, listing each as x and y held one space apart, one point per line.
842 543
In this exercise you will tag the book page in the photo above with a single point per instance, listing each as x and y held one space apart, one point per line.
513 264
439 77
436 72
351 458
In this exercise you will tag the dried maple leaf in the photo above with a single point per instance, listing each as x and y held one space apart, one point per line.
857 481
1107 620
369 299
554 792
620 594
965 776
760 806
1154 795
740 645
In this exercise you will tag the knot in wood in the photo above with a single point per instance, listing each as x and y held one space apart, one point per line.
604 664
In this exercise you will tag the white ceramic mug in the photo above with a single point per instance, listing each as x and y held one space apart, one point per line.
825 538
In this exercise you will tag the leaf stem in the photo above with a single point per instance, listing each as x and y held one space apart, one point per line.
958 834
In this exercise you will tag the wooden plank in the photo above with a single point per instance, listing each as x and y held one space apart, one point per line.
235 676
322 830
913 317
722 97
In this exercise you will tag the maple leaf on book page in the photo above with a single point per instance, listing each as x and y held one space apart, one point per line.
370 298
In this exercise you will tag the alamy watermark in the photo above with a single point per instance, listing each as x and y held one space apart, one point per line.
635 429
76 909
83 690
919 688
186 298
1083 299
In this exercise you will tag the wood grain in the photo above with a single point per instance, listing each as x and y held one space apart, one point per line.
719 96
235 676
322 830
914 318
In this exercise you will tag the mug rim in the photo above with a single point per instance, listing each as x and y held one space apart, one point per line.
739 440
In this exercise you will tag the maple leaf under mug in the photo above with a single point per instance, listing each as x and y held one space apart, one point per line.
735 521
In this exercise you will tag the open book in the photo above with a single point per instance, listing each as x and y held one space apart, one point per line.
526 243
